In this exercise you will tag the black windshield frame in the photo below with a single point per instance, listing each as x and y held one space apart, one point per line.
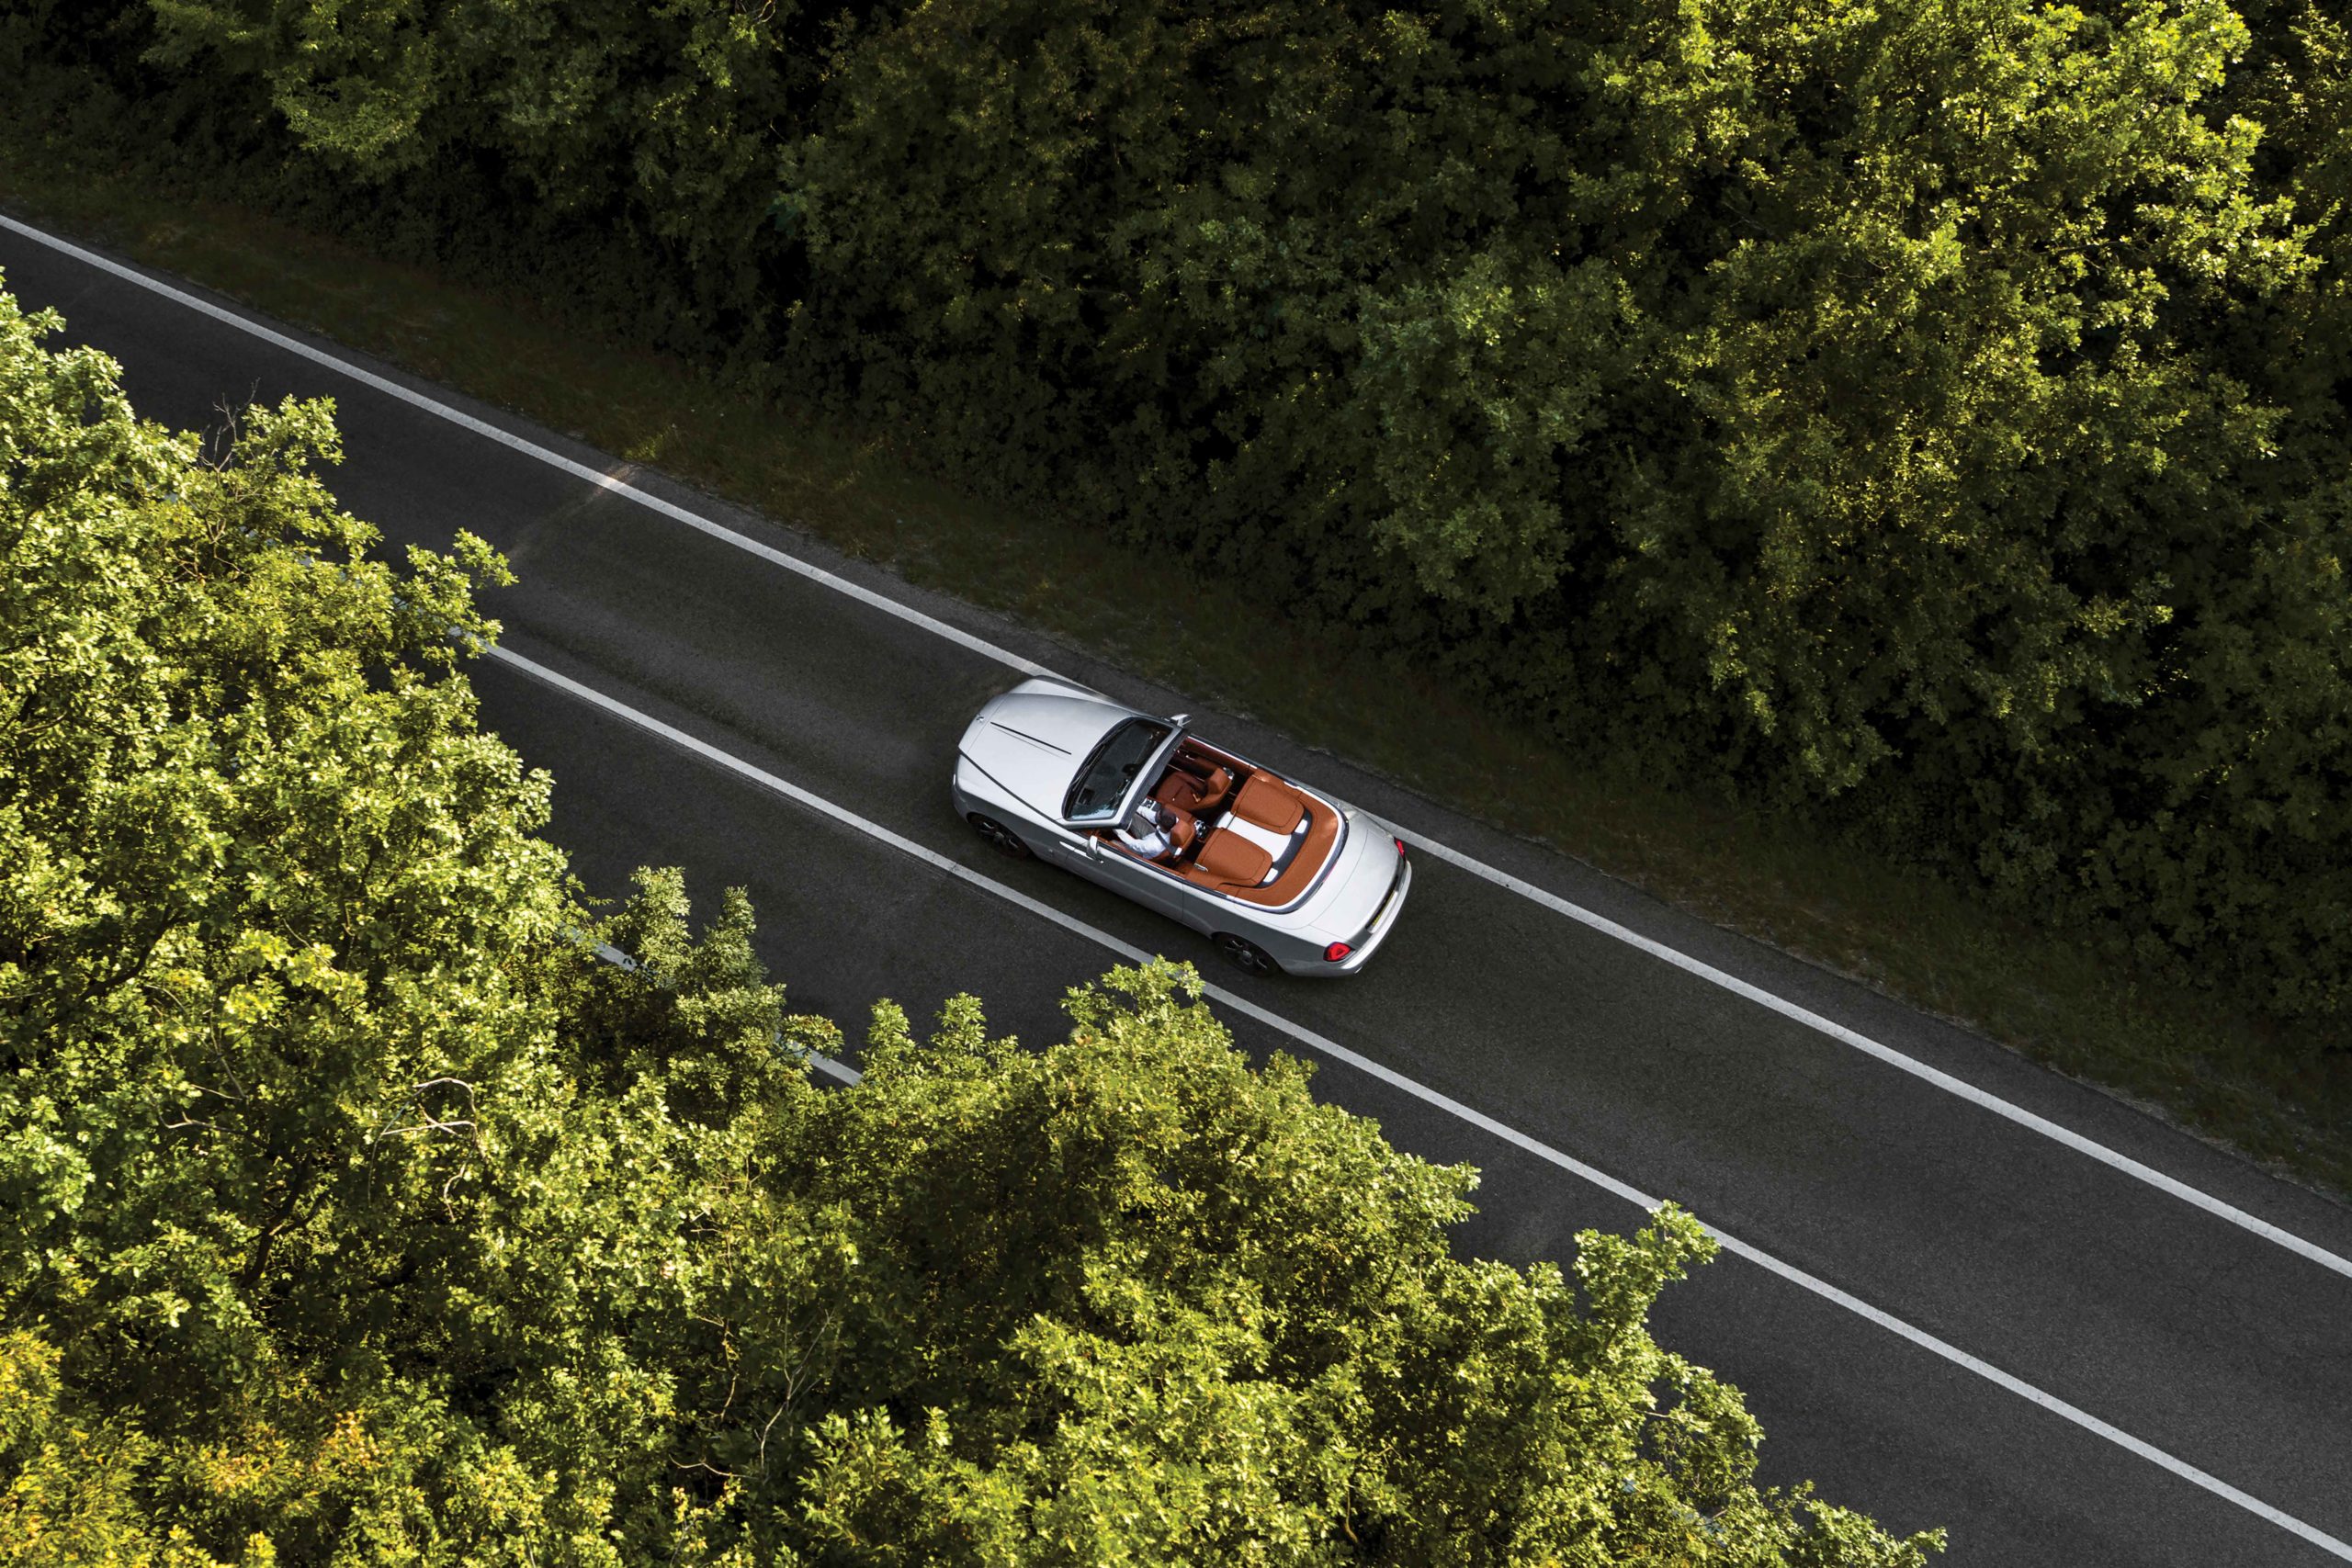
1112 766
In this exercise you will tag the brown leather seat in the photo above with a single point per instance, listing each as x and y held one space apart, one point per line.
1188 787
1183 831
1233 860
1269 802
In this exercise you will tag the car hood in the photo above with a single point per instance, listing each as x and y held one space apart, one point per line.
1032 739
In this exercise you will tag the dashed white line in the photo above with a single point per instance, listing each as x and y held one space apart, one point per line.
1324 1047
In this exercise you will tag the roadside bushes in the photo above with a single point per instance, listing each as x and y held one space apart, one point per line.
1928 416
1828 399
622 156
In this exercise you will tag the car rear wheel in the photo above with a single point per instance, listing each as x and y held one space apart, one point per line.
1002 839
1243 954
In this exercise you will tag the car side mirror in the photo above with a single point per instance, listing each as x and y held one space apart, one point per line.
1094 846
1179 719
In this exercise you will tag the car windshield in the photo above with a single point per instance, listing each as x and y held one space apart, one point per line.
1104 780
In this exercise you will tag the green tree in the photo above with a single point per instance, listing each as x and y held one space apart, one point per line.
350 1205
1126 1300
550 122
331 1231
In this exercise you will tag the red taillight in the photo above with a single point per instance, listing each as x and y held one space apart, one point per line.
1337 951
1401 846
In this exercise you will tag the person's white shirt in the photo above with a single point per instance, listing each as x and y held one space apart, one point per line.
1144 833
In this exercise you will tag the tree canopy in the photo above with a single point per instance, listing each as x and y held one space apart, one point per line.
352 1207
1926 414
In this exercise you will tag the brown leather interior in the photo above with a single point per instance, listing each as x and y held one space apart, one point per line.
1193 784
1322 832
1232 865
1183 830
1198 787
1229 862
1270 803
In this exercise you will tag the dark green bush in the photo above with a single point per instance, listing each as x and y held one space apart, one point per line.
1925 416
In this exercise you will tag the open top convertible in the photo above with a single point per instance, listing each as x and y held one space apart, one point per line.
1278 876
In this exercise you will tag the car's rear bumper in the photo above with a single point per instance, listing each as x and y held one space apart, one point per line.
1386 921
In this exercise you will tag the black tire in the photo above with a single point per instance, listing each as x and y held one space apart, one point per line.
1244 954
1002 839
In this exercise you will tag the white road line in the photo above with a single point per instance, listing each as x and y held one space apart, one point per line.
555 460
1332 1049
1878 1051
1960 1087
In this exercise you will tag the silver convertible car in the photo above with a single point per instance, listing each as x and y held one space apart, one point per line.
1278 876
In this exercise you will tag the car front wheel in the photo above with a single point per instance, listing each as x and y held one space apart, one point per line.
1243 954
1002 839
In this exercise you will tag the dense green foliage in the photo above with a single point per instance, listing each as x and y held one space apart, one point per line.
1924 413
352 1209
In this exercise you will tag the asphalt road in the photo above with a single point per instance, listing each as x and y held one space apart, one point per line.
2196 1338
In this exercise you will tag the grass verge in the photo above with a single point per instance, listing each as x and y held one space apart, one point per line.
2224 1073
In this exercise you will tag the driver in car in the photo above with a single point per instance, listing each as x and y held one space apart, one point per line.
1145 833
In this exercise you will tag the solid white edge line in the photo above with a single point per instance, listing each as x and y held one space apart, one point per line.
1959 1088
529 448
1324 1046
1982 1098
